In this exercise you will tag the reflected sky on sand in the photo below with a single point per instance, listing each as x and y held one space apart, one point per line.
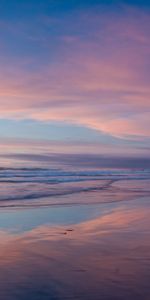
103 255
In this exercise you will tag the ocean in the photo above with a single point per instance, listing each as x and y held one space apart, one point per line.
72 231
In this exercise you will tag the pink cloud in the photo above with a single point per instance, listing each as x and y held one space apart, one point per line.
100 83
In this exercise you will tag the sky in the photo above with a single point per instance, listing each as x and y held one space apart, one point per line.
76 73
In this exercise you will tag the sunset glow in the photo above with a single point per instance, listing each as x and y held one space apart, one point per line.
80 65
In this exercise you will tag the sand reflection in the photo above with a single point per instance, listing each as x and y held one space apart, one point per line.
104 258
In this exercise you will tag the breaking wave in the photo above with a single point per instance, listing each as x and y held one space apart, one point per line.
20 184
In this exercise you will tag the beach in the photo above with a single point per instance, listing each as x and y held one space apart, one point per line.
74 150
78 249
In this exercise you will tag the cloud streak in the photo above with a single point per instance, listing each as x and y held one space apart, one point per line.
100 80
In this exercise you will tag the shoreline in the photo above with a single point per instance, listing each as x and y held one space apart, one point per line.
103 252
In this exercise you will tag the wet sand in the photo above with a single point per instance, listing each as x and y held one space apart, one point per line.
103 252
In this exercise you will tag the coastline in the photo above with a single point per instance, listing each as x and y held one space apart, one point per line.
103 254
